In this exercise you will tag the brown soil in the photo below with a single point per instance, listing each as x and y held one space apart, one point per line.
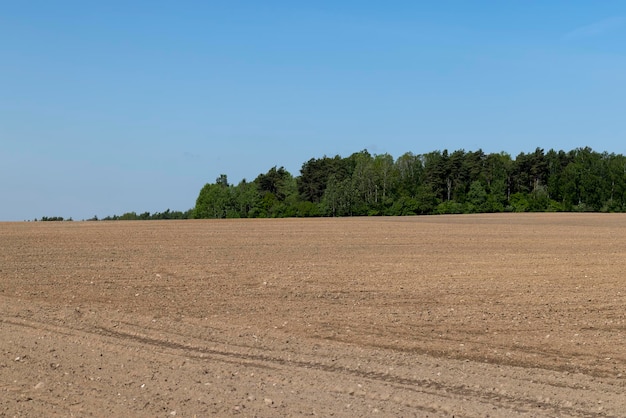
486 315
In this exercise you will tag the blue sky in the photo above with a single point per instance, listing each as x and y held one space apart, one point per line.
117 106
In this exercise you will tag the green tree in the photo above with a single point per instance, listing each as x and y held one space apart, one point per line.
556 163
315 173
530 171
214 200
339 198
477 198
364 184
519 203
457 179
616 183
385 177
278 193
246 200
436 174
129 216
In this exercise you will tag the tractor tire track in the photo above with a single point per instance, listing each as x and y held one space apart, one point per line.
208 351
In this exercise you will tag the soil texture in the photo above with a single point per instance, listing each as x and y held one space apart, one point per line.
498 315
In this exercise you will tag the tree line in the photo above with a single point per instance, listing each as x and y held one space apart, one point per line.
438 182
131 216
147 216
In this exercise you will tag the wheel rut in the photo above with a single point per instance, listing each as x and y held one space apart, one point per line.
249 357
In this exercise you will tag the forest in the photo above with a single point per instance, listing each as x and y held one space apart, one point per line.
439 182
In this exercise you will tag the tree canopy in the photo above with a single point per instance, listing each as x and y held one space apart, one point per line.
434 183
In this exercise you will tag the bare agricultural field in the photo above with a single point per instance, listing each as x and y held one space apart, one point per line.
497 315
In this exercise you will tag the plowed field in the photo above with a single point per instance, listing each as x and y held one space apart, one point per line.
498 315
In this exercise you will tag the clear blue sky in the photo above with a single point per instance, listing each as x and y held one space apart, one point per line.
115 106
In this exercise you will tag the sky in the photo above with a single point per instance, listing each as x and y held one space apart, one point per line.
118 106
